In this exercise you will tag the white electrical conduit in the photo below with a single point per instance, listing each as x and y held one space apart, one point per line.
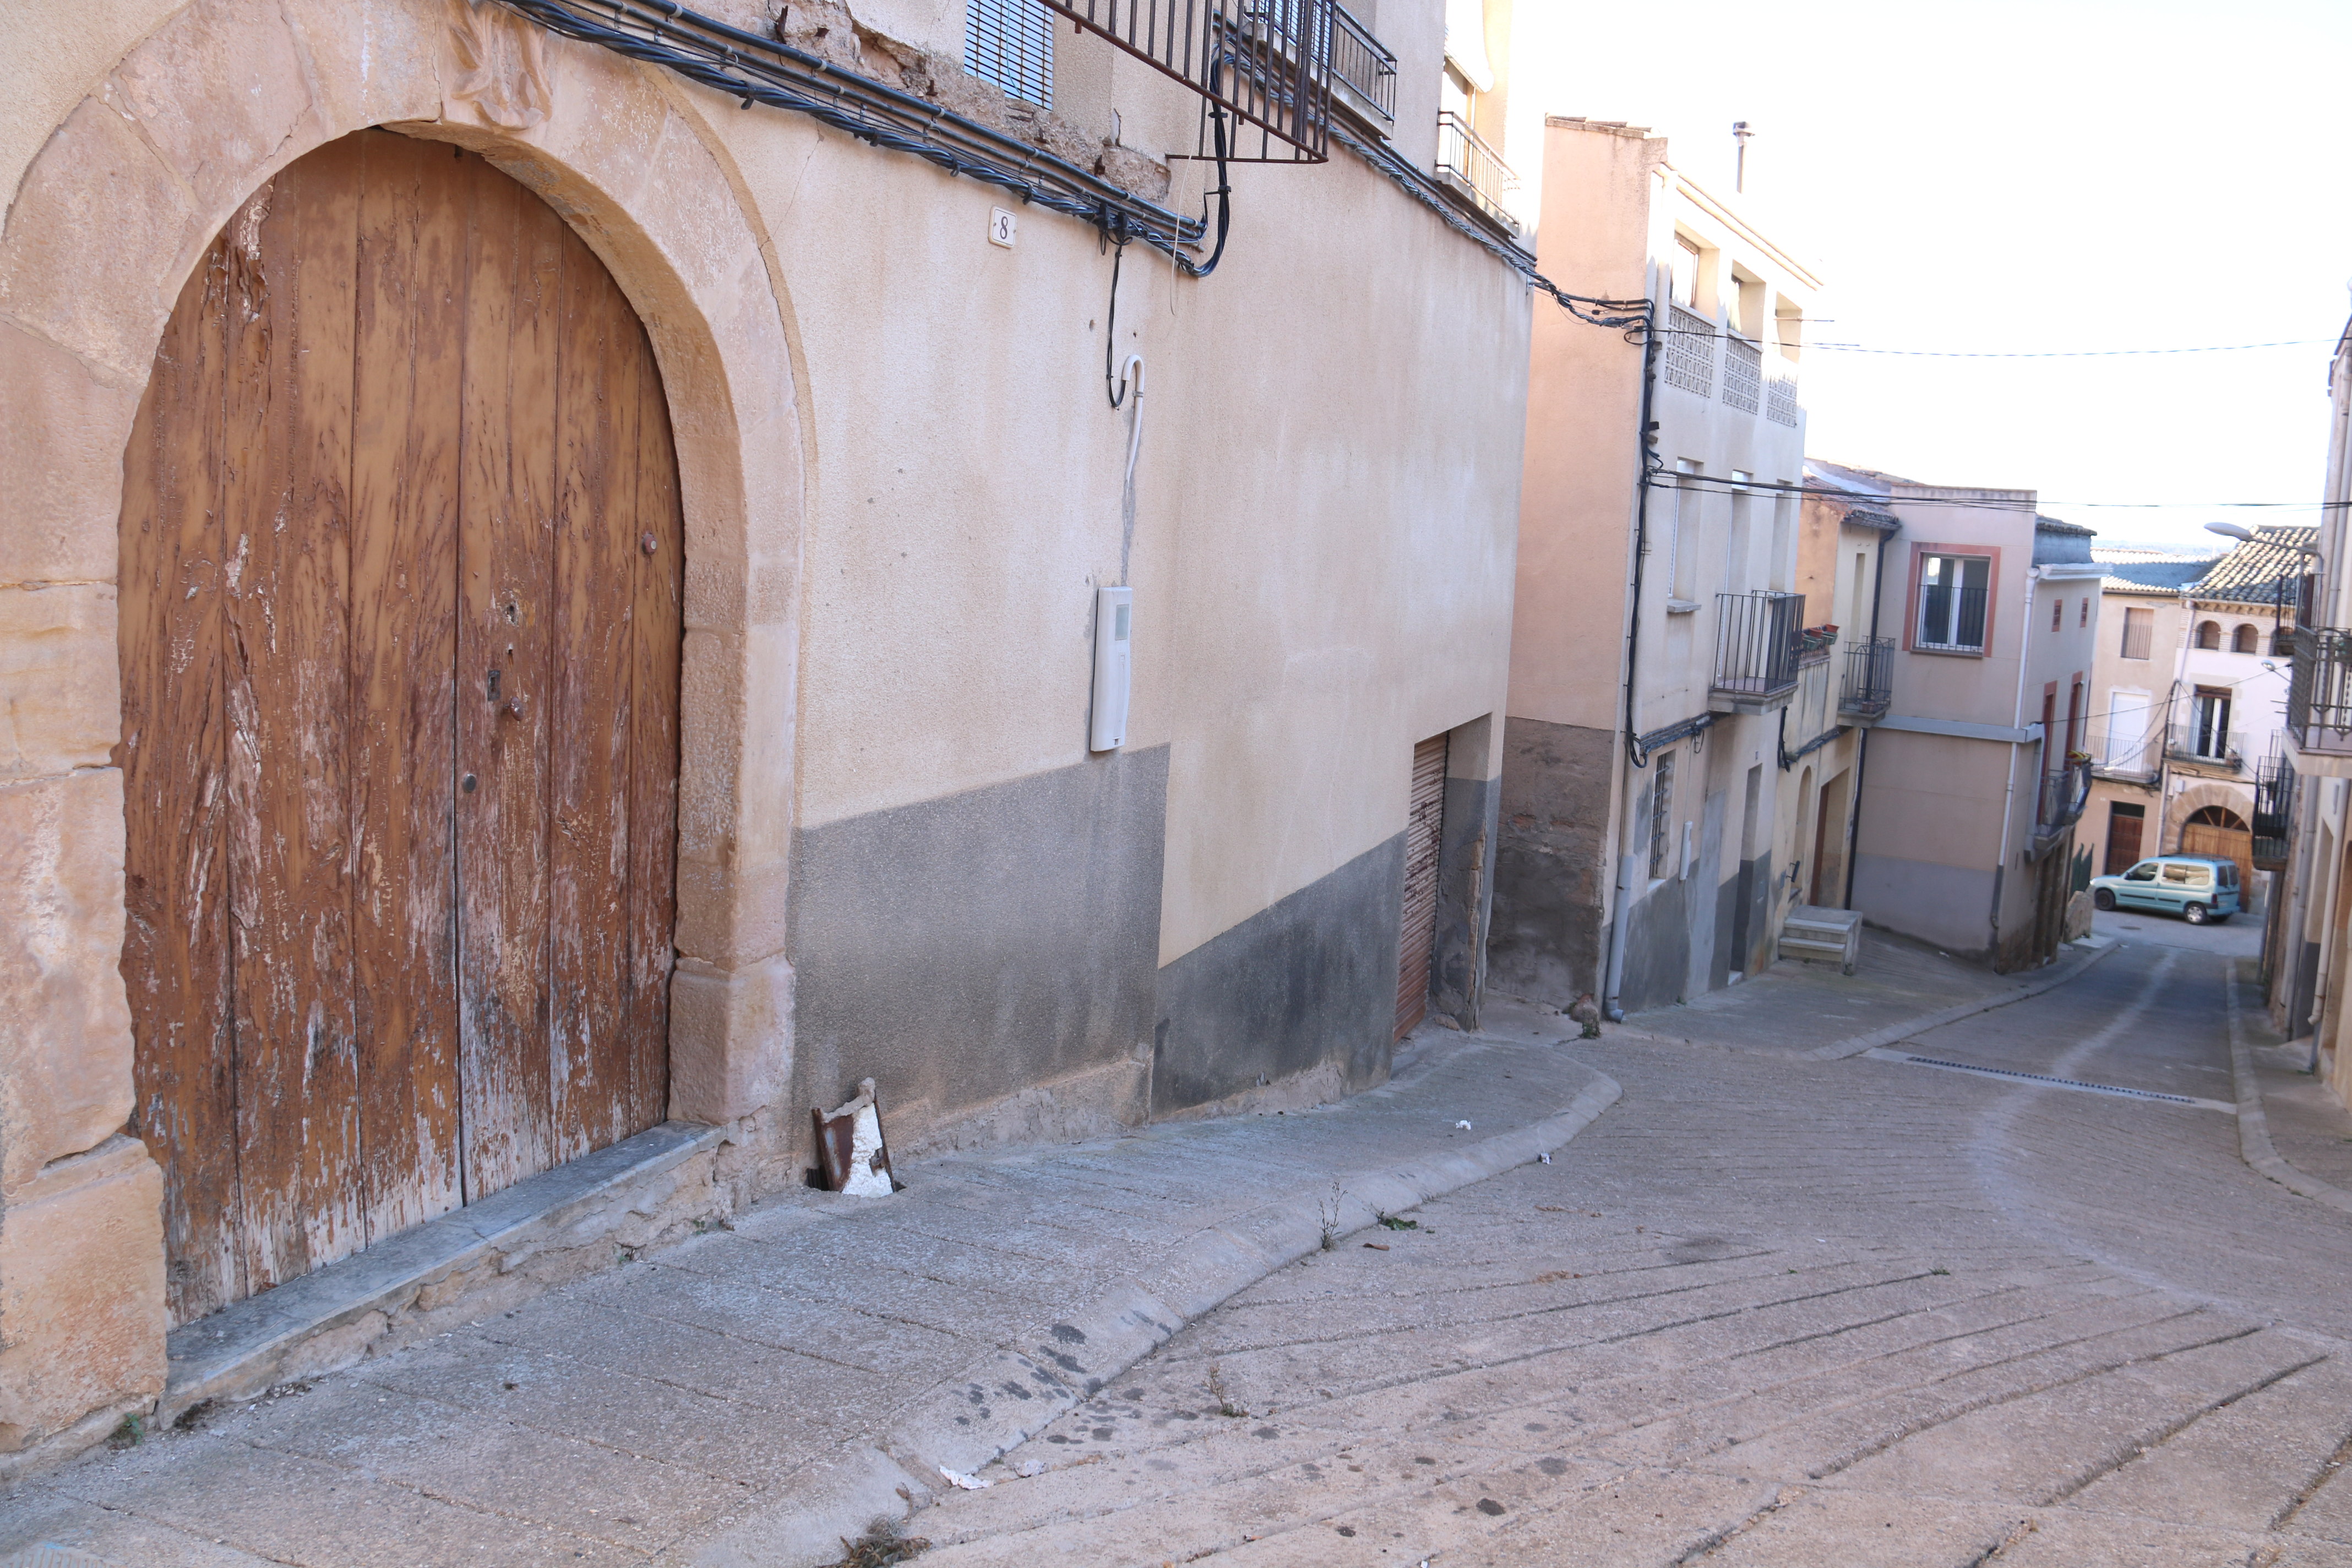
1130 387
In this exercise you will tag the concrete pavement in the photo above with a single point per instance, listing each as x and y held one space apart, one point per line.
1775 1311
753 1395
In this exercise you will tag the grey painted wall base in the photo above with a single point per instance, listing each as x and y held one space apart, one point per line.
963 950
1548 935
1307 981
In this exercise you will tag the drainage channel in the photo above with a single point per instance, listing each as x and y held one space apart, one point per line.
1884 1055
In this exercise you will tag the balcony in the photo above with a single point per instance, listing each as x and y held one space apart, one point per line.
2206 745
1362 66
1758 642
2064 791
2319 701
1869 679
1689 358
2274 809
1780 397
1743 373
1473 170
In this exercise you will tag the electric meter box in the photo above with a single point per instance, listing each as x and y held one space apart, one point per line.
1113 664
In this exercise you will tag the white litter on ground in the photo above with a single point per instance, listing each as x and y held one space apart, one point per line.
963 1482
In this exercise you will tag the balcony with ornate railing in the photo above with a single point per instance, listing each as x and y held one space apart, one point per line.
1361 66
2319 694
1757 643
1473 170
1869 679
1780 396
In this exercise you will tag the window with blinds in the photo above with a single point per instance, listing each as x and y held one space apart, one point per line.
1011 43
2139 631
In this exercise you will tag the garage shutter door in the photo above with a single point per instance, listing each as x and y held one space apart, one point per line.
1424 823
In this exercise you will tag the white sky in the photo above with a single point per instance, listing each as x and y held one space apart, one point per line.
2002 176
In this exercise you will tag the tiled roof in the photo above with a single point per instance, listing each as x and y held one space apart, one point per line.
2153 576
2250 573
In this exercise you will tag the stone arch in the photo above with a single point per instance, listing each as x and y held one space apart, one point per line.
2246 638
2237 800
2208 633
120 203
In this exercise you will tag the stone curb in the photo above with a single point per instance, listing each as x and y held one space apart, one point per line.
1007 1398
1855 1045
2254 1146
2059 975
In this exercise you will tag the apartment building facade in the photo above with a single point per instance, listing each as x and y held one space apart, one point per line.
1975 776
564 606
2305 945
2189 703
1643 855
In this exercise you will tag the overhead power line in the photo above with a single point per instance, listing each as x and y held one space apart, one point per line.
1717 484
2004 353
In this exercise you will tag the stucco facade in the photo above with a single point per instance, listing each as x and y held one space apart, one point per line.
2304 957
1966 834
2190 697
1625 568
901 482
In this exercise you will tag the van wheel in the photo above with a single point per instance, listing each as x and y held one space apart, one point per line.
2194 914
2103 898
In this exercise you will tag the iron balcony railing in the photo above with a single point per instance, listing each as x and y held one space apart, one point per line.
1361 63
1266 64
1473 168
1952 619
2319 692
2274 811
2064 791
1757 642
1869 676
2194 741
2274 796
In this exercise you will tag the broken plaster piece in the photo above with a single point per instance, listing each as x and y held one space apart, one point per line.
963 1482
849 1141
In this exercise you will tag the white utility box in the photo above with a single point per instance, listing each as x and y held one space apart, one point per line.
1114 611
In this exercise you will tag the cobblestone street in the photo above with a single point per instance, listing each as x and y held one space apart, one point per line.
1777 1312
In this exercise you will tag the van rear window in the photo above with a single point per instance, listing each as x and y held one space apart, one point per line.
2230 875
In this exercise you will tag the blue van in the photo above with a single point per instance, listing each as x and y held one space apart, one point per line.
2197 888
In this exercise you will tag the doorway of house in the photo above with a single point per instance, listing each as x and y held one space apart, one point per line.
401 625
2124 822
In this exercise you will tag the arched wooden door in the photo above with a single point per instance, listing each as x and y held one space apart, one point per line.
401 622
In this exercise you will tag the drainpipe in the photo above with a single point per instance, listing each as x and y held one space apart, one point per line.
2016 722
1613 980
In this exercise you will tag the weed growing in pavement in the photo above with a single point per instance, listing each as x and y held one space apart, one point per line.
1329 1210
880 1546
132 1431
1393 1222
1225 1405
1939 1271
